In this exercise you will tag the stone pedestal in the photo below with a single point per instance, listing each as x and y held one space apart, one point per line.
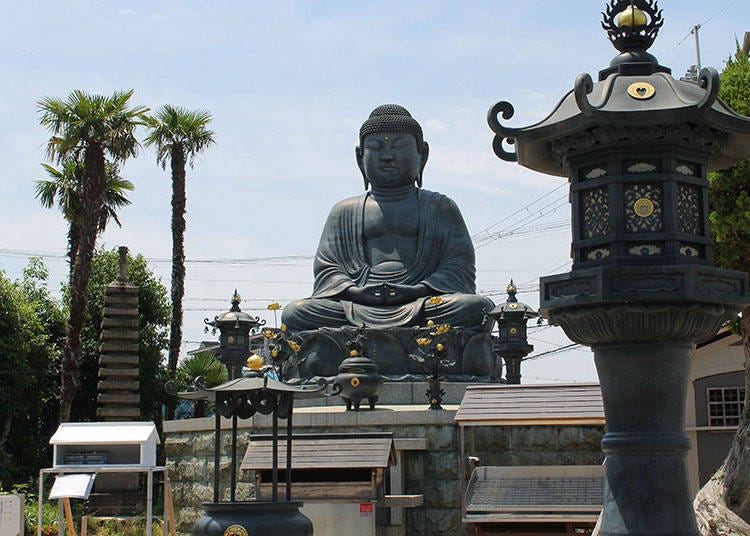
324 349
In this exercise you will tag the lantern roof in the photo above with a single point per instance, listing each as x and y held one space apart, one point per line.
254 383
235 316
512 305
635 100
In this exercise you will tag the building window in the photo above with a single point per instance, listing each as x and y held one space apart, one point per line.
725 405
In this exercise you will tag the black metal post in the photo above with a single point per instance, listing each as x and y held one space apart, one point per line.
233 469
275 457
289 455
217 449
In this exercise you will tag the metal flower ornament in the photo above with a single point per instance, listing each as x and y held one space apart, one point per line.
281 348
431 356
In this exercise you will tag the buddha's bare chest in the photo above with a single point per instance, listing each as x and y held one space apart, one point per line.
390 231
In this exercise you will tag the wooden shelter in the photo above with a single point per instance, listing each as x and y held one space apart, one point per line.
548 499
327 466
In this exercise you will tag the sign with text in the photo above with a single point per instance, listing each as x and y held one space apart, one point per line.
11 515
365 509
76 486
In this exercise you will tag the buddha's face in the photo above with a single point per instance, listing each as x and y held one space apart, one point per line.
391 159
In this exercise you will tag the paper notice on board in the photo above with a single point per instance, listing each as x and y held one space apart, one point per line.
76 486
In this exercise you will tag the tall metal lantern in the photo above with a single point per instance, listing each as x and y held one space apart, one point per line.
235 328
636 147
512 343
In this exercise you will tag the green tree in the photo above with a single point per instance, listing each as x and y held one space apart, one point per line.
32 332
153 315
64 187
727 492
179 135
87 128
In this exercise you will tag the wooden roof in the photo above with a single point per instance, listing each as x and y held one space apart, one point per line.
535 494
507 405
324 451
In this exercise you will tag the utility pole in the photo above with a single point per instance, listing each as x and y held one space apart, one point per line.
694 31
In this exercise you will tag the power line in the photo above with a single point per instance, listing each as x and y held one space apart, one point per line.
692 28
555 351
526 207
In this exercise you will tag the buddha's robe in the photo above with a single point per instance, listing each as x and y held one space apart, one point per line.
444 262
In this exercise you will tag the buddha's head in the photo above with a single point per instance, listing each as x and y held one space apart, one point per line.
391 151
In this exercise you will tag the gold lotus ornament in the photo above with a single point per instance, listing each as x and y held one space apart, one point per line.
442 328
275 306
269 334
294 346
353 353
436 300
424 341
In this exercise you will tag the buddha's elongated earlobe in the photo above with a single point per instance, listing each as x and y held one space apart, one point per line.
359 153
424 152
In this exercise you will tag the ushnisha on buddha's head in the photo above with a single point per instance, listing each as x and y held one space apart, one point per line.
392 152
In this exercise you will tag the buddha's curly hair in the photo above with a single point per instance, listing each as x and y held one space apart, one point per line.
391 118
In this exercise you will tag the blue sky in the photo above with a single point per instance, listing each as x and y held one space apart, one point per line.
288 84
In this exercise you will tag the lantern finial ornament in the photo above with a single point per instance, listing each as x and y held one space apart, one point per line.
235 302
632 24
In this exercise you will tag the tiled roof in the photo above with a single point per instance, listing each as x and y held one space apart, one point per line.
531 405
324 451
535 493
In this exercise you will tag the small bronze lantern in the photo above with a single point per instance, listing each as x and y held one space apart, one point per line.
636 147
235 328
241 398
511 343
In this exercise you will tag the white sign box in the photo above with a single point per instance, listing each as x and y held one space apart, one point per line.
11 515
108 444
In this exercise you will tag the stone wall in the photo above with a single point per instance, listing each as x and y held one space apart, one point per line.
433 472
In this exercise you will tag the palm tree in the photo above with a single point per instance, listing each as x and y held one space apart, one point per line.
64 187
205 366
178 135
87 128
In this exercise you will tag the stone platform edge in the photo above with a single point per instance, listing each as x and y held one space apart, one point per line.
329 416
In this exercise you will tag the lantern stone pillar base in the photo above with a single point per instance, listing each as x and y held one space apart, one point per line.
642 355
646 488
255 517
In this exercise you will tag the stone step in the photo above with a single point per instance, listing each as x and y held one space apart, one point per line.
119 334
107 360
118 413
120 300
118 385
122 288
120 322
115 311
119 347
113 398
109 372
